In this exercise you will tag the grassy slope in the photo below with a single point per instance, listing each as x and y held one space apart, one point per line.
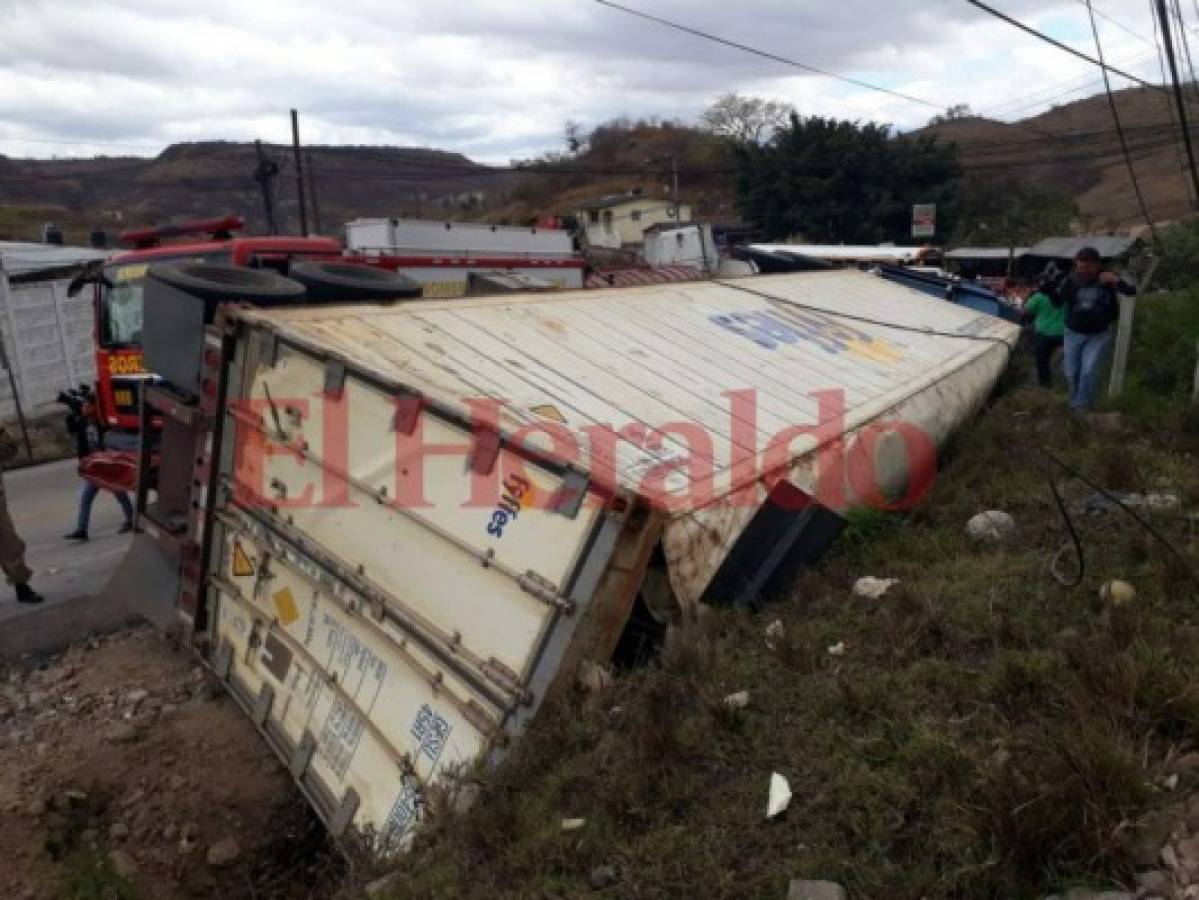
987 734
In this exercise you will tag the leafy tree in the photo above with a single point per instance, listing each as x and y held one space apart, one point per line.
990 210
953 114
841 182
749 120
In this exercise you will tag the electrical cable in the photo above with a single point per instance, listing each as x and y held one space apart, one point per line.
766 54
1107 85
1055 42
1186 47
1118 24
1076 542
1161 62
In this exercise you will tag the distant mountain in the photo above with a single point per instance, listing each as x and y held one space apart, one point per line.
1071 148
214 178
1074 148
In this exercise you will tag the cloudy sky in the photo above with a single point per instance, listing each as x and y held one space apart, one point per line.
496 79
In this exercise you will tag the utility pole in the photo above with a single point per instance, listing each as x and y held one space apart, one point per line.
265 175
316 202
1164 21
295 146
674 178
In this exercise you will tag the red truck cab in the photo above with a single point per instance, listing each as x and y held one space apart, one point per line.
119 296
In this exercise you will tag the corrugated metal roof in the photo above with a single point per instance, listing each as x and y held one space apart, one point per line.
642 275
659 356
611 200
984 252
21 258
846 252
1108 245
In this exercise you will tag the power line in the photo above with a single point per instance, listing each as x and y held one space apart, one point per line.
1055 42
1164 22
1107 86
1118 24
766 54
1161 62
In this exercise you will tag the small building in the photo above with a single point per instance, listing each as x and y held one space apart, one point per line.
1063 249
991 262
620 219
688 244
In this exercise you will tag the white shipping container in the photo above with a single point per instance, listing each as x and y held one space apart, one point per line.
430 237
426 515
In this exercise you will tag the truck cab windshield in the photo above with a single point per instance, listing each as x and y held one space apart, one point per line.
122 306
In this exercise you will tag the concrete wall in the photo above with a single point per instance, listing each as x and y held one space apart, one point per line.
47 343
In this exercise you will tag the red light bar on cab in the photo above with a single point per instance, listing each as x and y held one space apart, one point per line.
217 229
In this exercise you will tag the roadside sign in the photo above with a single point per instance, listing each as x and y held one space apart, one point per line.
924 220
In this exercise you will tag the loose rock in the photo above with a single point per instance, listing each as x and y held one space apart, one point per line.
870 588
739 700
1155 882
36 808
118 831
122 733
594 678
573 824
1117 592
778 797
601 877
994 526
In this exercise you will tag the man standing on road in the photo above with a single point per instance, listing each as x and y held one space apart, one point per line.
1088 296
12 548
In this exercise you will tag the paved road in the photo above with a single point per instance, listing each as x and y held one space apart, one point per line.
43 501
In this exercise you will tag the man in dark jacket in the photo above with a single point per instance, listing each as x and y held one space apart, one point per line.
1089 297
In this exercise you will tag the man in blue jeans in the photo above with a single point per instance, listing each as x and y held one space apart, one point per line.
88 496
1089 296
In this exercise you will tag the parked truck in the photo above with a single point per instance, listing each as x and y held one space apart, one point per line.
394 530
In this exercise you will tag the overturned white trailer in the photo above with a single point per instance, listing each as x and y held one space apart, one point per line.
410 523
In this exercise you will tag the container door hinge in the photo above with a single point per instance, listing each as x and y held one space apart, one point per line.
302 756
508 680
223 661
262 706
544 590
344 814
268 348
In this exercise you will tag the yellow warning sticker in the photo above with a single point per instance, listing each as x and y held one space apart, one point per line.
243 563
285 605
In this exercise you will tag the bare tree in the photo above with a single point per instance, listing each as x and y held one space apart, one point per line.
572 130
749 120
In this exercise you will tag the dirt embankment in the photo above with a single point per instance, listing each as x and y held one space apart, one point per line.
125 773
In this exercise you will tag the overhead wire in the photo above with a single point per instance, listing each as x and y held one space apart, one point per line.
1028 29
1174 124
766 54
1107 85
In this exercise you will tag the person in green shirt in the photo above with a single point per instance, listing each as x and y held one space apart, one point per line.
1049 327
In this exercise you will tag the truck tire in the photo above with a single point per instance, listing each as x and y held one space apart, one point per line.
334 282
217 282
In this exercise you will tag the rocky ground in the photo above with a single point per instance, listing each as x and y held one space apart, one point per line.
125 773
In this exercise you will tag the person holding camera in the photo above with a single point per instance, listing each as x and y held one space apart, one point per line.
12 548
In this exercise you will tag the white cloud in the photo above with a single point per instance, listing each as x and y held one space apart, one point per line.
496 78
